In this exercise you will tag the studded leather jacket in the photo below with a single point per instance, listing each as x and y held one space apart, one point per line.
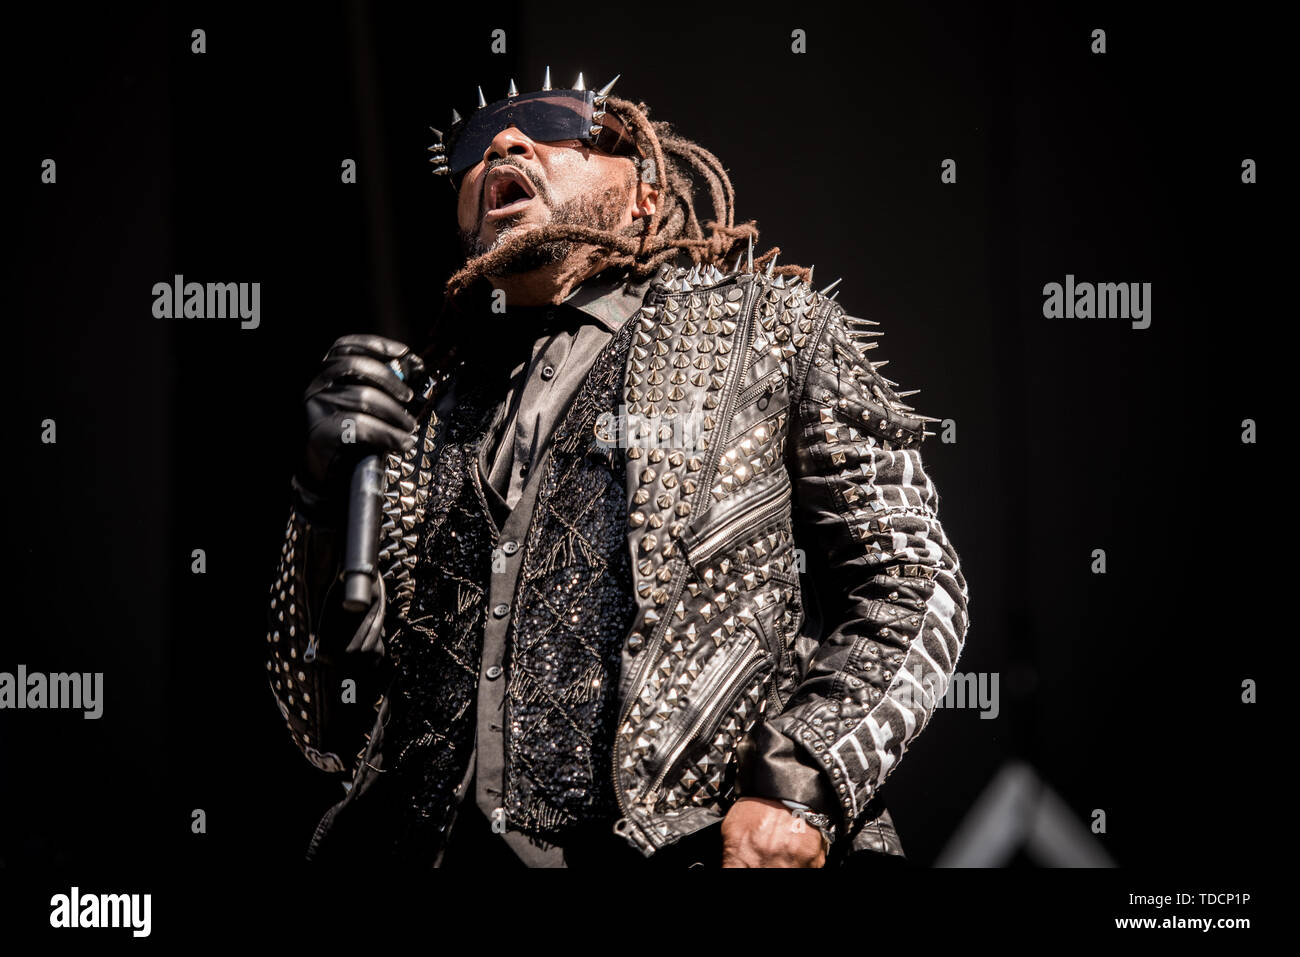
800 610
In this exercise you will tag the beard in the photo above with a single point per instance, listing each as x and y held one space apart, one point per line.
601 210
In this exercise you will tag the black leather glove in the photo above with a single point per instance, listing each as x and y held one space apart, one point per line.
355 383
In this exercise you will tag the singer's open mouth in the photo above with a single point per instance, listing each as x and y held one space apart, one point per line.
506 192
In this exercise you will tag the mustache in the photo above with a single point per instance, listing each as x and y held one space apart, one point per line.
542 191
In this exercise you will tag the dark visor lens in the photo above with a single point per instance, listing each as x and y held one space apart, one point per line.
544 117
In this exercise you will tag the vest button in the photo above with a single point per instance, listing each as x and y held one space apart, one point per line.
501 610
510 546
493 673
548 372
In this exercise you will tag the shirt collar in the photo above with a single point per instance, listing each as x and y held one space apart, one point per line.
608 298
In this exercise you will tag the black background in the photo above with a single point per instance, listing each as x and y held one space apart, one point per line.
1122 690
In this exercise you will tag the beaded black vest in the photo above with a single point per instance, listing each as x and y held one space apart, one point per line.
573 607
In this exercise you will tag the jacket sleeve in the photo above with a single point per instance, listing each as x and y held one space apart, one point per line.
892 595
323 663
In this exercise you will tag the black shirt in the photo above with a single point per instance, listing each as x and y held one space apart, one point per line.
566 339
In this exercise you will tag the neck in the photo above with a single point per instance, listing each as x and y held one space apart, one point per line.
550 284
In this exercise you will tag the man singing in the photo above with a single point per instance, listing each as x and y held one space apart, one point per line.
661 580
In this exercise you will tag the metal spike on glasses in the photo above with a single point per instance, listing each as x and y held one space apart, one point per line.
580 86
439 158
546 81
513 90
603 92
482 100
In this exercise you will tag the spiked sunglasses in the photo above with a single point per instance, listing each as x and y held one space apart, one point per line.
546 116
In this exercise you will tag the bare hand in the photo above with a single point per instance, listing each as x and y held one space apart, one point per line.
758 832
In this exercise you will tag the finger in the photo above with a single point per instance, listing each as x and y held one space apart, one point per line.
370 432
360 345
360 369
372 401
414 366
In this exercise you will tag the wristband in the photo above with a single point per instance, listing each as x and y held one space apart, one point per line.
820 821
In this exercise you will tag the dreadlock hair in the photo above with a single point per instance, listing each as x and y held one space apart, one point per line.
639 248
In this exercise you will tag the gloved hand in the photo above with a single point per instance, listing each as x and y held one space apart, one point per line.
355 383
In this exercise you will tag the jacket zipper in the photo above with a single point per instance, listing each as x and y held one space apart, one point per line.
782 662
652 646
764 505
753 660
724 418
767 384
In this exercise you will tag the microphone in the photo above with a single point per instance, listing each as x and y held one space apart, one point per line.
361 553
361 550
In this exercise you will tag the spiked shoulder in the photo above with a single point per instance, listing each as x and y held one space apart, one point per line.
839 369
823 352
